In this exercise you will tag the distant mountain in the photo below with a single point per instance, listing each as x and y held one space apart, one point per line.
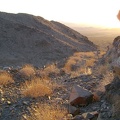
28 39
102 37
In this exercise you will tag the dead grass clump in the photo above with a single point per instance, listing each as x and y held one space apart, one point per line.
102 53
74 74
79 63
36 88
77 72
27 71
50 70
72 63
90 54
42 74
68 65
90 62
46 112
88 71
5 78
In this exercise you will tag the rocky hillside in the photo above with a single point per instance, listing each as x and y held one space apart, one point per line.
112 59
113 89
28 39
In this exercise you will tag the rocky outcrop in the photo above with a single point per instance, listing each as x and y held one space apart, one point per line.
113 89
108 106
80 96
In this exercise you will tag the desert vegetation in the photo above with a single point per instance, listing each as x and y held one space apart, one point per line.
46 112
27 71
36 88
50 72
5 78
80 63
45 91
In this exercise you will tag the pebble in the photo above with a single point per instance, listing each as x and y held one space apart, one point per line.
78 117
2 99
8 102
109 114
94 108
25 102
69 116
1 91
25 117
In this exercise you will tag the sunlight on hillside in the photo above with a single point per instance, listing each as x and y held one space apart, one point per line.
102 37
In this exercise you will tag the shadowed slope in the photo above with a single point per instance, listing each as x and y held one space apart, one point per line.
32 39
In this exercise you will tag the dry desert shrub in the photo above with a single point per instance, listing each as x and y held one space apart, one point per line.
76 56
41 73
27 71
77 73
90 62
74 74
79 63
74 63
46 112
49 70
102 53
88 71
90 54
5 78
68 66
36 88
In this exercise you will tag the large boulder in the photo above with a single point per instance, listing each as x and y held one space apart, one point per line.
113 89
80 96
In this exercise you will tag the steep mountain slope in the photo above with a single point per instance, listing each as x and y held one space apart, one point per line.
112 60
31 39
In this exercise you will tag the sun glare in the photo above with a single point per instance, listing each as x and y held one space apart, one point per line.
94 12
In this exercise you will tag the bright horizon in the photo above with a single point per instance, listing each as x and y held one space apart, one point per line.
100 13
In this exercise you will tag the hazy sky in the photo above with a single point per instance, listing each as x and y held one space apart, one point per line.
94 12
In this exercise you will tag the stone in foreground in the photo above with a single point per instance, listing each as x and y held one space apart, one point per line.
91 115
73 110
78 117
80 96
